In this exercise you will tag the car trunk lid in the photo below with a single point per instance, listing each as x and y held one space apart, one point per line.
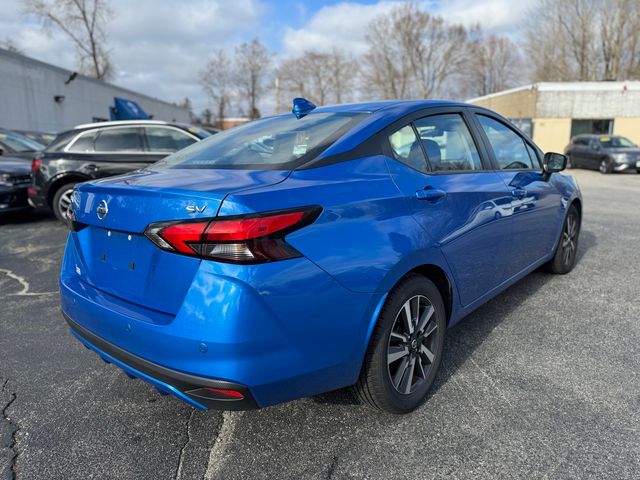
112 253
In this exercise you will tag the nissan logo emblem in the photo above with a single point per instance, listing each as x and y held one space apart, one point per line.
102 210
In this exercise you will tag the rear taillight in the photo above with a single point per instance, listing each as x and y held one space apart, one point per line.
35 165
254 238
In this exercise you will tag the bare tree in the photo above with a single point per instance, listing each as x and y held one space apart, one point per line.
252 63
322 77
84 22
584 39
495 64
217 81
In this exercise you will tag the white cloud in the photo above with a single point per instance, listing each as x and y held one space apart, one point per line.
344 25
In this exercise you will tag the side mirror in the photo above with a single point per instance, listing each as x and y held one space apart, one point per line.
554 162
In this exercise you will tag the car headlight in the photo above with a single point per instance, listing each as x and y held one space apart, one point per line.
6 180
619 157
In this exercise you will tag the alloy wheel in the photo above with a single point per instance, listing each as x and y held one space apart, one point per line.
64 202
412 345
604 167
569 234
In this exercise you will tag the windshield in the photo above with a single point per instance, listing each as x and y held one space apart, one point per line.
274 143
19 143
616 142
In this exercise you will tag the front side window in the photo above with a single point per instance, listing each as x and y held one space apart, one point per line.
118 140
509 148
448 143
280 142
406 148
162 139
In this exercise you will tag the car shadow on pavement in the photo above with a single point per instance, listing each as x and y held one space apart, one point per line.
465 337
26 216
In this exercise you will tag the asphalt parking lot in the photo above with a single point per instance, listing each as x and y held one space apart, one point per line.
542 382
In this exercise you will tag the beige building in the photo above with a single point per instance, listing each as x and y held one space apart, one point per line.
553 112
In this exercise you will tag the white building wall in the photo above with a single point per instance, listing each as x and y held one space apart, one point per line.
28 88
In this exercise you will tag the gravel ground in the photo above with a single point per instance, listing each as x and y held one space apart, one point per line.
542 382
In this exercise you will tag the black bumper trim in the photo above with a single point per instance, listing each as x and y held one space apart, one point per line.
181 381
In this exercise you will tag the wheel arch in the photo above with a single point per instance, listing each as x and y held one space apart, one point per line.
441 280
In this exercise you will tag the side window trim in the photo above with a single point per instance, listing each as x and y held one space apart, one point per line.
489 148
468 115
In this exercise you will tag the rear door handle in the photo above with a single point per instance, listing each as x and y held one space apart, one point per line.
431 195
519 193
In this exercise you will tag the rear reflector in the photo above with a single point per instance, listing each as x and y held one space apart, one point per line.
226 393
254 238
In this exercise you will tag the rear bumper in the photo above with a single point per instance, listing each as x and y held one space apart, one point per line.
188 388
281 330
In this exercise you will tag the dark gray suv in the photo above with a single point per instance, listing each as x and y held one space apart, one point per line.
99 150
607 153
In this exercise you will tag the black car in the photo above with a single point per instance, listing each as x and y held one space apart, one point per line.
101 150
17 145
15 178
607 153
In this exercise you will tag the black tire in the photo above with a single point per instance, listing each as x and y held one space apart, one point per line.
59 200
375 386
605 167
564 259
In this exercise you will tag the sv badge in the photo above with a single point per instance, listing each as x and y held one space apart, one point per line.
196 209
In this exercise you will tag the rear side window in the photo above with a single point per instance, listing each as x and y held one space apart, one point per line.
448 143
406 148
509 148
118 140
83 144
161 139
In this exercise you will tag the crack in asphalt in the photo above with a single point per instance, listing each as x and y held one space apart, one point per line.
14 430
187 442
23 283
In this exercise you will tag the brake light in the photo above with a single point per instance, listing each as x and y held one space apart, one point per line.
35 165
254 238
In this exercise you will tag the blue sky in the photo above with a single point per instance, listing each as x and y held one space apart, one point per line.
158 47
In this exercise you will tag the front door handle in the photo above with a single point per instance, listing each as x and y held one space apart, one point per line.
431 195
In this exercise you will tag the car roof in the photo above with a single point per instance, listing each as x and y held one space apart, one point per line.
396 105
115 123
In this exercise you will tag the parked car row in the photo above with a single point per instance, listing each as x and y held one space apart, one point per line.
33 174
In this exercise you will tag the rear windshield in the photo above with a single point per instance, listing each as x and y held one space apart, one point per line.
274 143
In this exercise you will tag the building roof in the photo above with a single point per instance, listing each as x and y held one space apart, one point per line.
567 86
38 63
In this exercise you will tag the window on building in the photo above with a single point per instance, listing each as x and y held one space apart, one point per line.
598 126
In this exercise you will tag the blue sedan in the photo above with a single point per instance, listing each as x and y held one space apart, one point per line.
315 250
